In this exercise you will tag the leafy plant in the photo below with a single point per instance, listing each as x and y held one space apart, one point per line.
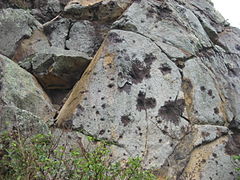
40 158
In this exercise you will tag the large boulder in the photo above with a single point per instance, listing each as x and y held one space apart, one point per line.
46 10
96 10
15 25
56 68
23 103
128 96
21 89
83 36
173 27
38 41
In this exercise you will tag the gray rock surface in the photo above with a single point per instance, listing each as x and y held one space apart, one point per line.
15 25
16 4
210 162
46 10
12 118
163 83
29 46
20 89
97 10
160 20
163 86
84 37
130 79
57 32
56 68
24 106
230 40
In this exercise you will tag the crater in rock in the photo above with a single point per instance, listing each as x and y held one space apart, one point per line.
237 47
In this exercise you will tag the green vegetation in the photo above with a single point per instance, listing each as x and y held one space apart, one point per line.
237 158
40 158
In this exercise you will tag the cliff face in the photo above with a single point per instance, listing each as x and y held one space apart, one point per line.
159 79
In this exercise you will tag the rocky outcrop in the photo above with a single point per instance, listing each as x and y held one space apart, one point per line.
42 10
162 87
155 79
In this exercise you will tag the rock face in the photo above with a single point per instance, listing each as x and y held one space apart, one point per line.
96 10
15 25
155 79
56 68
41 10
161 86
129 80
23 103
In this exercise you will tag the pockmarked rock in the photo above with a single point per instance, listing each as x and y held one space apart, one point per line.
205 157
156 79
204 98
197 137
162 86
56 68
15 25
175 29
122 97
225 68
